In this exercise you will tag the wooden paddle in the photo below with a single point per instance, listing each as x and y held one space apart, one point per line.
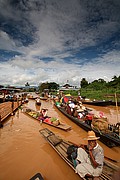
113 160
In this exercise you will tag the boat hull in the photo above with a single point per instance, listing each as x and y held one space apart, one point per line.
61 126
98 103
106 138
60 146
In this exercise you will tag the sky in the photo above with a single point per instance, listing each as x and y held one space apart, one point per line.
59 41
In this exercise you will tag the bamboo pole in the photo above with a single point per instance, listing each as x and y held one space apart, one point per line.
116 105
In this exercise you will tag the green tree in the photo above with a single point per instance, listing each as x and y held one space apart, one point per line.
97 84
43 86
84 83
115 83
51 86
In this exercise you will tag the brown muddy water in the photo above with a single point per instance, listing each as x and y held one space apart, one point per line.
24 152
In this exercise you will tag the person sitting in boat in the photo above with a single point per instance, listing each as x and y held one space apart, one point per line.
80 111
43 114
88 118
72 106
90 160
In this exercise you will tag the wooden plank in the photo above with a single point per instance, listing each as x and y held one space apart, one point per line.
61 151
54 139
64 126
45 132
63 147
6 109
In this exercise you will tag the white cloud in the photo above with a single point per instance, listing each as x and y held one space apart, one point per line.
58 29
19 71
6 42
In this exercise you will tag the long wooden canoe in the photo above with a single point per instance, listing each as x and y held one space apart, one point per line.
43 98
98 103
110 139
60 146
34 114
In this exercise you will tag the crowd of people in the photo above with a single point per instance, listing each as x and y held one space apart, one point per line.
75 108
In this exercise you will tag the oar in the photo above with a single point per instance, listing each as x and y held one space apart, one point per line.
113 160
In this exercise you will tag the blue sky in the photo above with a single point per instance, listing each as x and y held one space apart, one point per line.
59 41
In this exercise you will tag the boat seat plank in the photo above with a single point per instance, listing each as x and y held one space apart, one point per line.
66 144
105 177
45 132
54 140
64 126
63 147
61 151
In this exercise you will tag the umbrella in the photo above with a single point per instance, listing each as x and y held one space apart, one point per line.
66 98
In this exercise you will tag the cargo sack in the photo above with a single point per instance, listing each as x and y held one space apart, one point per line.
100 123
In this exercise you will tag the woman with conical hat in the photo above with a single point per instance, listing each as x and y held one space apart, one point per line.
90 160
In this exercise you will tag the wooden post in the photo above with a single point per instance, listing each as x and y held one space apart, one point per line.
12 107
116 105
4 97
1 125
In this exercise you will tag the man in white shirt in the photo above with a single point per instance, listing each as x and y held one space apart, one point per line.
90 162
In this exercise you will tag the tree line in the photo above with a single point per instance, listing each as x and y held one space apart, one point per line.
95 85
101 83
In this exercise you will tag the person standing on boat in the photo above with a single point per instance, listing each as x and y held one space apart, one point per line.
90 159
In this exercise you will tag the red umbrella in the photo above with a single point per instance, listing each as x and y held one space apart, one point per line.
66 98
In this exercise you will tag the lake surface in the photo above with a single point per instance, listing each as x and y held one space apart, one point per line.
24 152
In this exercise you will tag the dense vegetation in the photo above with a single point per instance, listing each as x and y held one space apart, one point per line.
52 86
98 89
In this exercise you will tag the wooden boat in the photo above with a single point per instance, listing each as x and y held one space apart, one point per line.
31 96
34 114
43 98
60 146
110 138
113 103
37 176
98 103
